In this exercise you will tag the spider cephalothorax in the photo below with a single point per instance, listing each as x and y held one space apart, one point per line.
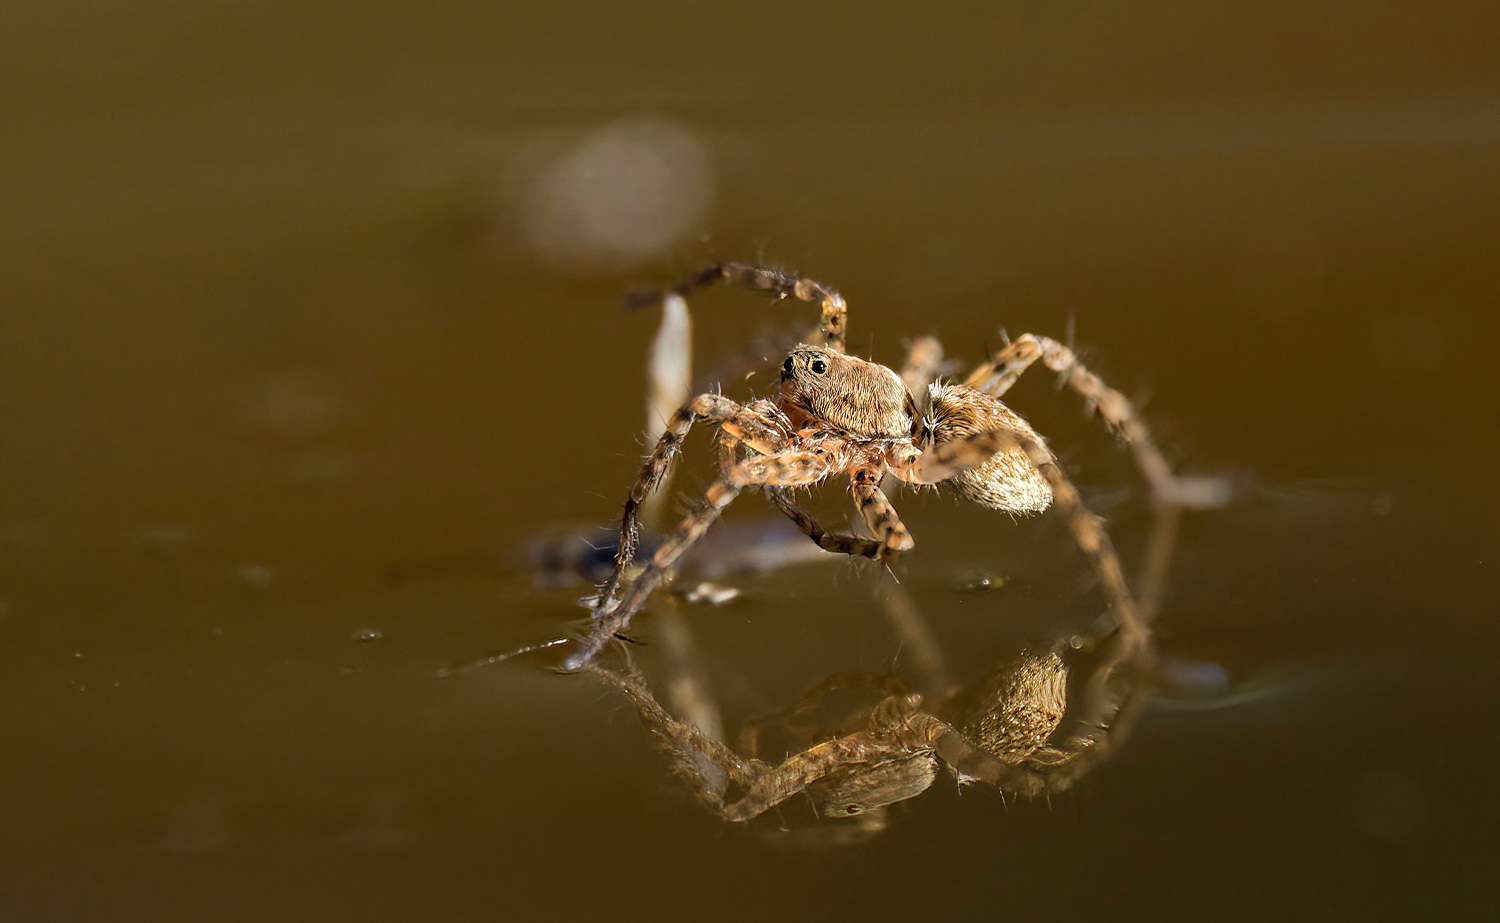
837 414
832 390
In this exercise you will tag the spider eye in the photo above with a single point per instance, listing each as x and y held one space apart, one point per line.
787 365
819 366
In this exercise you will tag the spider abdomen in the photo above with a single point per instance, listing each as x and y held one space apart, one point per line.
1008 480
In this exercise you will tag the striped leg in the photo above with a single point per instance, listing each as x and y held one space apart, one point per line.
744 425
1170 493
996 376
879 515
834 324
835 542
612 614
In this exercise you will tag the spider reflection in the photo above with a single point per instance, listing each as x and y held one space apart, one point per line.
1031 725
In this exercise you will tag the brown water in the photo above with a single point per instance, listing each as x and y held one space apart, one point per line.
300 341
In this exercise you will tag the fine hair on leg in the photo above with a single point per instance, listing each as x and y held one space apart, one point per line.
833 325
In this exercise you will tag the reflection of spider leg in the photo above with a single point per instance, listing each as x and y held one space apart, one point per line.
793 468
855 774
782 285
1026 777
918 642
704 763
863 771
944 461
888 684
749 427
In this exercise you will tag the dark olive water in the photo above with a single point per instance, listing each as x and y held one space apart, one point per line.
309 323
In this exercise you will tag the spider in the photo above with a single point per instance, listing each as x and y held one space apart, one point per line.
838 414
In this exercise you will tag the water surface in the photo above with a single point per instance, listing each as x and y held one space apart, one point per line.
301 343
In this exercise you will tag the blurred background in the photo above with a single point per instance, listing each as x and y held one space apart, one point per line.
311 321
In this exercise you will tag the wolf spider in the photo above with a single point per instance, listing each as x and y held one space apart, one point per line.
839 414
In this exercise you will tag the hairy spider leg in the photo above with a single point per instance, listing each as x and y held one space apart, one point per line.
834 323
996 377
612 614
838 543
889 685
878 512
753 429
1170 493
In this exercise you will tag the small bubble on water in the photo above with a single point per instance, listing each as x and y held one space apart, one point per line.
366 635
976 583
